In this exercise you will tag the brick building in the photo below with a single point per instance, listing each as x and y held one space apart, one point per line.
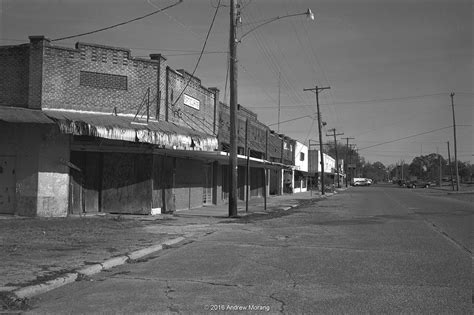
93 129
269 155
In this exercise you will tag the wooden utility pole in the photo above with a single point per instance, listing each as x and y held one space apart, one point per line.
316 90
233 111
279 102
450 166
455 145
440 170
334 134
345 157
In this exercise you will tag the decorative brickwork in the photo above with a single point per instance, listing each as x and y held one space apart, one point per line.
103 80
95 80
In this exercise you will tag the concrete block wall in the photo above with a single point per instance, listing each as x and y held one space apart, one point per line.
53 173
14 61
41 180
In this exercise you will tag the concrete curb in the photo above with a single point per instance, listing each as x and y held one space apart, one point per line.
27 292
461 192
33 290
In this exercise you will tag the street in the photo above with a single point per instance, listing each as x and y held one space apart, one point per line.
377 249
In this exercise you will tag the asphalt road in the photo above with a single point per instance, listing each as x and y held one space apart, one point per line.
366 250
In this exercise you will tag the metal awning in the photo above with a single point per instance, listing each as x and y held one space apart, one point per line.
23 115
126 128
223 158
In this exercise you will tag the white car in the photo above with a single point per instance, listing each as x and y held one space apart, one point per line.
363 182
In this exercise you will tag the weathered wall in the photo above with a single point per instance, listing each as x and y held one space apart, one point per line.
14 71
126 183
41 180
256 182
8 168
53 174
162 194
189 184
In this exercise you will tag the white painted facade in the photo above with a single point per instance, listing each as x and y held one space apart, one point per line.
300 180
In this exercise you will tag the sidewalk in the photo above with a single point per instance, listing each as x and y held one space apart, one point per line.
256 205
40 254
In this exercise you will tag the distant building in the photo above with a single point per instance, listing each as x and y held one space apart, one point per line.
314 167
301 170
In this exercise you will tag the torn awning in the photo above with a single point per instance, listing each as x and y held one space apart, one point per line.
23 115
161 133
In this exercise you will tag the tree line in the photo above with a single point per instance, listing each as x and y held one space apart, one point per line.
425 167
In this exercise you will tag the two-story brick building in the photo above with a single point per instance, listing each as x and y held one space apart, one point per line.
270 156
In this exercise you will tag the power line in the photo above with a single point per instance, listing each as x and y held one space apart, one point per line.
392 99
119 24
412 136
202 51
297 118
361 101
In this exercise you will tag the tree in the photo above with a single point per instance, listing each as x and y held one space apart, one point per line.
427 166
376 171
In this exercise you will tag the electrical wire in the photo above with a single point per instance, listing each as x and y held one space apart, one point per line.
297 118
202 52
408 137
119 24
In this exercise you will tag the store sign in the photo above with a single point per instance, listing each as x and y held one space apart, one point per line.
191 101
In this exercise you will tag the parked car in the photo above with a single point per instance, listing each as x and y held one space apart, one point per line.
418 183
402 183
364 182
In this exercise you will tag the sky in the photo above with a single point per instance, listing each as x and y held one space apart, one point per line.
391 65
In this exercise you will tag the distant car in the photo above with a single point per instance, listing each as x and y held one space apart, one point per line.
402 183
418 183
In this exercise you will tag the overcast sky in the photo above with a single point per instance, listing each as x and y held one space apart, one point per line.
391 64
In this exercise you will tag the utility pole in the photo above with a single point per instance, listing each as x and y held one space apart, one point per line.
279 102
450 166
439 167
337 158
350 160
455 146
345 157
316 90
233 111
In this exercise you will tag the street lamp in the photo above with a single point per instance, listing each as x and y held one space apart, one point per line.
233 97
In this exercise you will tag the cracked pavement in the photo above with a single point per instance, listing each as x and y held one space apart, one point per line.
357 252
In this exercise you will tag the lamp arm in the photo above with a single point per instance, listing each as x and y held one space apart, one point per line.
267 22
